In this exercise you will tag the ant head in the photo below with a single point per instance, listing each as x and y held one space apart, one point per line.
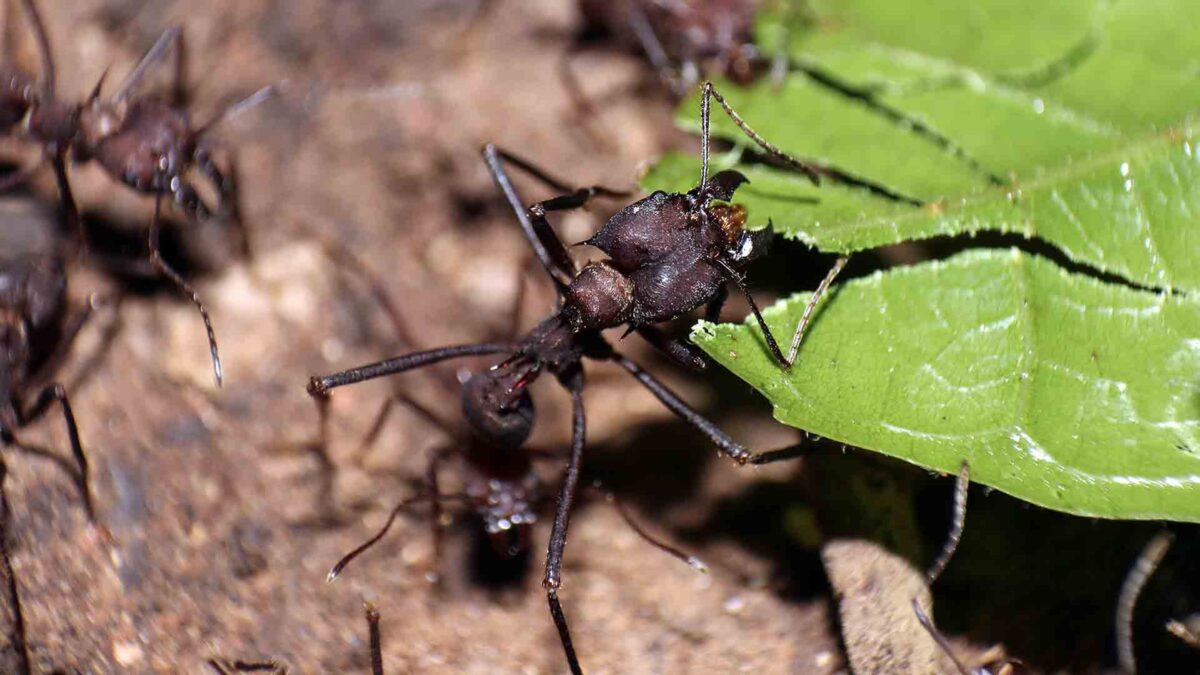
499 410
55 123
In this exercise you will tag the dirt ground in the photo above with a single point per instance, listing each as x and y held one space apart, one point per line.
219 548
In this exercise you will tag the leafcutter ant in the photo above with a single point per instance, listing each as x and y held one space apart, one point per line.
500 486
669 253
148 144
36 333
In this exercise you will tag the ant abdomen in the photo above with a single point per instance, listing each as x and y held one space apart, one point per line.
599 297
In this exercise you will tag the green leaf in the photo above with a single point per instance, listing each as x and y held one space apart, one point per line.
1074 121
1059 389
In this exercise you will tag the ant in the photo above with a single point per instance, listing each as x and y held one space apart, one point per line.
148 144
669 253
500 412
35 336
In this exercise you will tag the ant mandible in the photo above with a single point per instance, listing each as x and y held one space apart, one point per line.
147 144
669 253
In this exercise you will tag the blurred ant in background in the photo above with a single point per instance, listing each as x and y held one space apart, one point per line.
501 487
36 335
145 143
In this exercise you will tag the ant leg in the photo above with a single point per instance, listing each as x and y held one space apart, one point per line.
1135 581
404 505
421 409
691 560
961 485
73 223
228 202
435 515
805 318
172 37
736 278
325 465
56 392
375 640
226 667
321 384
43 48
343 256
12 615
562 516
545 243
163 268
671 400
676 349
712 313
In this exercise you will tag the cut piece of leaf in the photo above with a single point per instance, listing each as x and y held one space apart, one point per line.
1059 389
1076 122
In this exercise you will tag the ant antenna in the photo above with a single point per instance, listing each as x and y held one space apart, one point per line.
809 169
1143 568
361 548
43 47
165 269
691 560
376 641
237 108
956 527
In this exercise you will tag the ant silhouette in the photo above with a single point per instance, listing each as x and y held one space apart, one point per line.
147 144
669 253
36 335
500 413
